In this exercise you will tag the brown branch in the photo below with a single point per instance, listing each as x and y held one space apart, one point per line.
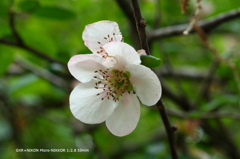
20 43
204 115
207 82
126 7
170 129
13 28
55 80
127 10
186 74
31 50
141 24
206 25
133 148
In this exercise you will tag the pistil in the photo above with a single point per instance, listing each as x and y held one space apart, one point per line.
113 83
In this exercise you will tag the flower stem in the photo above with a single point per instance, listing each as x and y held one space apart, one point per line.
141 24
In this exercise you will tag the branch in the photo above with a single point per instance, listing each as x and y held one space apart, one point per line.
55 80
141 24
186 74
12 26
20 43
170 130
127 9
204 115
32 50
130 148
207 82
206 25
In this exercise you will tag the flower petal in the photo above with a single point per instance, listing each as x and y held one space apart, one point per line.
125 117
97 34
89 108
83 67
146 83
124 53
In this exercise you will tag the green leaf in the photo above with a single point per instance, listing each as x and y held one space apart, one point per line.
150 61
56 13
28 5
6 56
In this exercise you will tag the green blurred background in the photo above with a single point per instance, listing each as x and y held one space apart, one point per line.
34 89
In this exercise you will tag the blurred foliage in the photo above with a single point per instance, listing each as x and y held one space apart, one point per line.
35 113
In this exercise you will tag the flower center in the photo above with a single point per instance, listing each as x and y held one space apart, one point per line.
113 83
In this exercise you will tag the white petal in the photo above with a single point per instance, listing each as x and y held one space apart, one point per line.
87 107
146 84
124 53
83 67
94 34
125 117
109 62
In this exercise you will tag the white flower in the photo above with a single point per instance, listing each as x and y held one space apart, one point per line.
100 33
111 93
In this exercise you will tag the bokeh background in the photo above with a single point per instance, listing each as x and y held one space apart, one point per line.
38 37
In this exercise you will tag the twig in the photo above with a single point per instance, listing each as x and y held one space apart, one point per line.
32 50
55 80
141 24
207 82
12 26
204 115
184 4
170 129
186 74
133 148
126 7
165 55
206 25
20 43
194 19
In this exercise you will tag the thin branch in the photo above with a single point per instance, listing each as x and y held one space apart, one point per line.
127 10
206 25
13 28
55 80
31 50
20 43
130 148
168 64
141 24
126 7
170 129
204 115
186 74
207 82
